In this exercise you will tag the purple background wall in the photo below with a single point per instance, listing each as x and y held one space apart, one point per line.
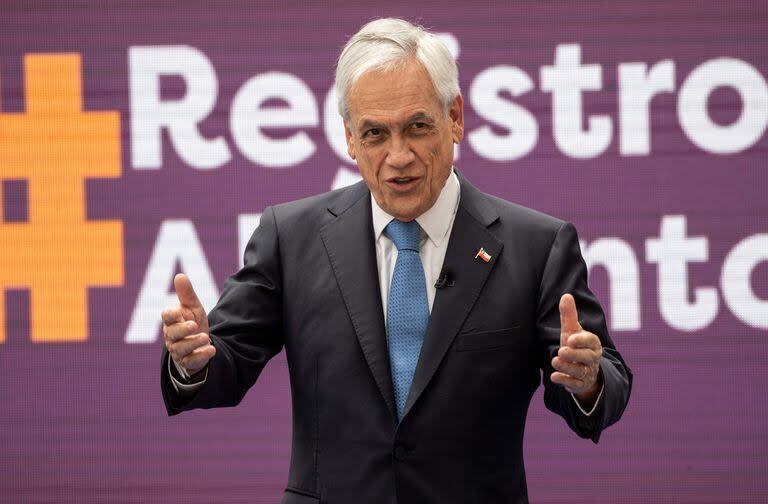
84 422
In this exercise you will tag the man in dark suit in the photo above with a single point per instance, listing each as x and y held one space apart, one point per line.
417 313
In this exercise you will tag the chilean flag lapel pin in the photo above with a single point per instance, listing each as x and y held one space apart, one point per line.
482 254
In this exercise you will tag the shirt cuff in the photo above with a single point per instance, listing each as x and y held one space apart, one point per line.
185 389
594 406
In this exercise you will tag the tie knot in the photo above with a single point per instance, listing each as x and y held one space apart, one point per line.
405 235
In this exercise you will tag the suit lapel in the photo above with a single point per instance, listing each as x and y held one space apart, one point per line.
452 304
349 242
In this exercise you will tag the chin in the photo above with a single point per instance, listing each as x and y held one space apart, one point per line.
407 214
407 210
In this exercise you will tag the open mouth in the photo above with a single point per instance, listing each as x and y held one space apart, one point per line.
402 181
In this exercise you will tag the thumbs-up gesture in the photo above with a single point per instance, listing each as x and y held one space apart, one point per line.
577 364
185 329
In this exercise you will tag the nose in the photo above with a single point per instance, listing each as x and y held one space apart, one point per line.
400 154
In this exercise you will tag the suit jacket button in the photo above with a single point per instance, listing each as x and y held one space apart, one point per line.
400 452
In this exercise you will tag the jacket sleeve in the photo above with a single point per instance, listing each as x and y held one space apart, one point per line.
566 272
245 327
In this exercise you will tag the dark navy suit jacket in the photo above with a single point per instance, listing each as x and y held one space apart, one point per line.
310 285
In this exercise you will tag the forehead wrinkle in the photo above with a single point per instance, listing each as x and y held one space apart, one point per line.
396 98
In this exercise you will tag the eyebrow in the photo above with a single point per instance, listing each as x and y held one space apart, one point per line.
368 123
420 117
417 117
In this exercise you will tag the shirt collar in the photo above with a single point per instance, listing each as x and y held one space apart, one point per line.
435 222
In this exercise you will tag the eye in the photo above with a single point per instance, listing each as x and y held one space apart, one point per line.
418 125
373 132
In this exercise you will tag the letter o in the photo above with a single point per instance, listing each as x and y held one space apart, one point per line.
692 106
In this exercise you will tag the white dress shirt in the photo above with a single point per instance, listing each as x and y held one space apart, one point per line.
436 225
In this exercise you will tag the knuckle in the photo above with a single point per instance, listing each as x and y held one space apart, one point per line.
187 361
197 360
181 352
173 334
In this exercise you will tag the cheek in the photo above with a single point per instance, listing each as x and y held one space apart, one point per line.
440 161
369 167
436 160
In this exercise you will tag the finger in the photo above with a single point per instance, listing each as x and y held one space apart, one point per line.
171 315
573 385
185 346
584 339
569 318
578 371
180 330
185 292
579 355
197 360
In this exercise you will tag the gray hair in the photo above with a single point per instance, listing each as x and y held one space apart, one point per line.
383 44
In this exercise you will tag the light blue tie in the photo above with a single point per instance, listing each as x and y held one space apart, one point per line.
407 308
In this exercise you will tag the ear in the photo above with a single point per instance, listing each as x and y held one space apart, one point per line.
350 140
456 113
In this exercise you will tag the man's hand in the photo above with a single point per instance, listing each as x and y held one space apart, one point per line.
185 329
577 365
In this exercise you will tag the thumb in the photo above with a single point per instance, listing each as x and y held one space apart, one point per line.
569 318
185 292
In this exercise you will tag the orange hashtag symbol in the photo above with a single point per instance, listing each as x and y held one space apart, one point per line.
57 253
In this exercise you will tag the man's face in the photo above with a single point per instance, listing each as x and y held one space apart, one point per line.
401 138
